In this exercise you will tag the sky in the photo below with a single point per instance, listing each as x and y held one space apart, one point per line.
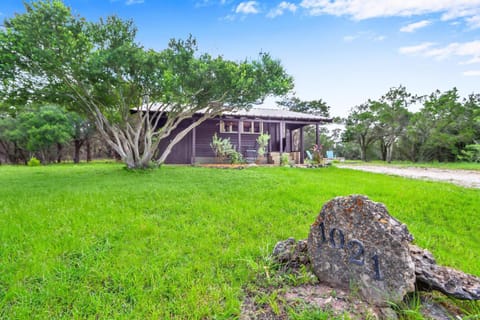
341 51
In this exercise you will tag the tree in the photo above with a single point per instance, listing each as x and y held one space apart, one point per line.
360 127
416 134
392 115
451 125
82 131
38 130
98 69
316 107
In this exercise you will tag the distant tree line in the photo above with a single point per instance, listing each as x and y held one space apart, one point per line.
49 133
446 128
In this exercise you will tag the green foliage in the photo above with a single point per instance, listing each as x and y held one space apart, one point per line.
94 241
316 107
33 162
391 113
284 159
262 142
236 157
222 147
471 153
37 130
439 131
360 128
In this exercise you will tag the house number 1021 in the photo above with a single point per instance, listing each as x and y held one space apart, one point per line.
355 247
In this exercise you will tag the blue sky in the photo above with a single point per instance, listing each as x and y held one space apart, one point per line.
342 51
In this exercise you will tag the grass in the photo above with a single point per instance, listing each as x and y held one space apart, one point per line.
439 165
98 241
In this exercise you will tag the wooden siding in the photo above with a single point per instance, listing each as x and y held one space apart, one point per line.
182 151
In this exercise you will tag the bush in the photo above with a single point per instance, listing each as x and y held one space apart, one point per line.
284 159
471 153
33 162
236 157
221 147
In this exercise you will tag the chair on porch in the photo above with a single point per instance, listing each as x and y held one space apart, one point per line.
309 155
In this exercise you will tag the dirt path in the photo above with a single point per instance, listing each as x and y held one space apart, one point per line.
464 178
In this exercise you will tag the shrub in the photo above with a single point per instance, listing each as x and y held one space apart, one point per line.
221 147
284 159
33 162
471 153
236 157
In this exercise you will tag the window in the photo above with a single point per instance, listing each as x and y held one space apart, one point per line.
228 126
252 127
232 126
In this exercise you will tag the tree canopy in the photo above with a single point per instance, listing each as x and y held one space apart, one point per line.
445 128
316 107
98 69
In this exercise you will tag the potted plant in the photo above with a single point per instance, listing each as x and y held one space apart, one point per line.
262 142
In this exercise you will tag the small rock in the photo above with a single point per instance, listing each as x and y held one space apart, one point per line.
291 254
451 282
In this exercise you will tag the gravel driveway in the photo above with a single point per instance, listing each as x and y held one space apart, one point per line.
464 178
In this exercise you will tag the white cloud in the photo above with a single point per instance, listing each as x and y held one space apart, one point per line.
473 22
130 2
229 17
247 7
472 73
366 9
206 3
416 49
349 38
470 50
472 61
412 27
461 12
364 35
281 8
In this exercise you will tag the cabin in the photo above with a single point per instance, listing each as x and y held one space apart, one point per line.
243 128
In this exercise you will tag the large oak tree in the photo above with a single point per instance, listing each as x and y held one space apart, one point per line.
98 69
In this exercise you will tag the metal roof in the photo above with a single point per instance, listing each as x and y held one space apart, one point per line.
277 114
266 114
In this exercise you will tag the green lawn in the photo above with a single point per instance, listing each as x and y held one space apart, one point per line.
439 165
96 240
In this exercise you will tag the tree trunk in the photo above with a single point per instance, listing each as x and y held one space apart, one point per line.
383 150
389 152
76 155
59 152
363 152
89 150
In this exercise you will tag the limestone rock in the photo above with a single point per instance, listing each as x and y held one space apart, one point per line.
355 244
291 253
449 281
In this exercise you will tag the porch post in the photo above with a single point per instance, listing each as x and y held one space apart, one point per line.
302 151
240 129
316 134
194 143
282 124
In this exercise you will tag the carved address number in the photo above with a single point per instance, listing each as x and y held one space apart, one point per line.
354 246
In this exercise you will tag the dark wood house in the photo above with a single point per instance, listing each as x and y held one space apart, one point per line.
243 128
